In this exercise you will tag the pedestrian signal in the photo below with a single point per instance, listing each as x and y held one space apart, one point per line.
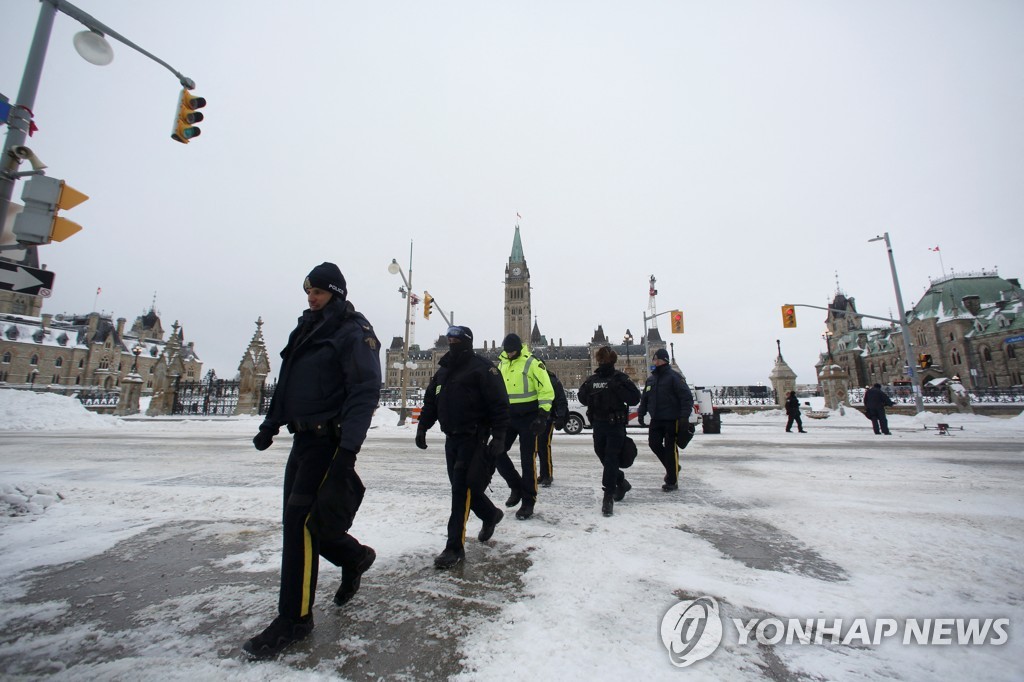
186 116
38 223
677 321
428 304
788 316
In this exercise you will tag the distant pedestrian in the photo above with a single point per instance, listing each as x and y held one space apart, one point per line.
557 419
326 393
793 413
530 396
875 402
607 393
468 397
668 400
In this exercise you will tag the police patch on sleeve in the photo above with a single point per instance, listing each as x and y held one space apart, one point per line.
371 342
493 370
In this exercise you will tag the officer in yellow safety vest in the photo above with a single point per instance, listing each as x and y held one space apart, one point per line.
530 396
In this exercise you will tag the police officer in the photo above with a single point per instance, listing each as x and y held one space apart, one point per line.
668 400
607 394
529 396
468 397
557 419
328 388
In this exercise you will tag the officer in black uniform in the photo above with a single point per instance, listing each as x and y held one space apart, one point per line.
467 395
668 400
328 388
607 394
557 419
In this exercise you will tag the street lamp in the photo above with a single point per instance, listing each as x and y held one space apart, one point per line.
136 351
627 339
395 269
915 380
92 46
828 343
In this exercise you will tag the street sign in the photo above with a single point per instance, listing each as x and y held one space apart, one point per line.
24 280
1015 339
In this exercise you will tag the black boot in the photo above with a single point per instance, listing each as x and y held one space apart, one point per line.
607 505
449 558
279 635
621 489
488 528
351 577
514 498
526 511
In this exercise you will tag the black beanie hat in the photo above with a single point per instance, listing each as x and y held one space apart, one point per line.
661 354
328 277
512 344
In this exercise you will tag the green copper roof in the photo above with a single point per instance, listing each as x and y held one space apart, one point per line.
944 298
517 249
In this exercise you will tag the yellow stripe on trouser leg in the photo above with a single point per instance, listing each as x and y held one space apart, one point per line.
307 551
465 516
675 449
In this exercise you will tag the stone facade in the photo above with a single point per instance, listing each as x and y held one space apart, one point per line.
965 325
571 363
90 351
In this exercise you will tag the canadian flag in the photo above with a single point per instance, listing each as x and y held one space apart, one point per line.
931 249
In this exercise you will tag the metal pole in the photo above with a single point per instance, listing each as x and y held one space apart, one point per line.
20 118
405 353
908 348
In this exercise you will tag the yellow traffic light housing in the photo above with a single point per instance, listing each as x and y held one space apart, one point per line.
428 303
39 222
677 321
186 116
788 316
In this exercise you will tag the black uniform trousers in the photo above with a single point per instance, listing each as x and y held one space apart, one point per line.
308 463
459 450
609 439
547 468
879 422
519 426
662 437
794 418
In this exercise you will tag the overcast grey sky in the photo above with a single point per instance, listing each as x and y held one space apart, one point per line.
742 152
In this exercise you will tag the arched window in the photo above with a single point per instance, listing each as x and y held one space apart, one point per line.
34 361
1011 352
986 354
59 362
7 358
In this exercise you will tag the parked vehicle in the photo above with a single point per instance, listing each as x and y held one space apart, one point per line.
578 421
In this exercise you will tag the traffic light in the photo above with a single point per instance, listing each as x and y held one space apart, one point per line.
677 321
38 223
428 303
788 316
924 360
186 116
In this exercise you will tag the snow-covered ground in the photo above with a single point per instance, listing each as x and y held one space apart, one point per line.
148 550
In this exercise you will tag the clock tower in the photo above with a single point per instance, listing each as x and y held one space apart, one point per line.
517 292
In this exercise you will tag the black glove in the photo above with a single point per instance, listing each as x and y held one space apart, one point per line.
496 448
421 439
560 422
264 438
640 420
540 423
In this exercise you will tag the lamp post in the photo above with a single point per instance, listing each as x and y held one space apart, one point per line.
395 269
915 380
628 339
828 343
91 46
136 351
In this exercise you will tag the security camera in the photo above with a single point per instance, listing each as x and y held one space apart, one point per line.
23 153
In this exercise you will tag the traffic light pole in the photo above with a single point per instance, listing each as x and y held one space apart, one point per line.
648 318
908 347
20 120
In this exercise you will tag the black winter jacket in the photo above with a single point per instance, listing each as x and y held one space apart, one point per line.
466 394
792 406
875 401
330 375
666 396
560 404
606 393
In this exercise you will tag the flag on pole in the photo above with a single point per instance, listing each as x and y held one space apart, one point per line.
98 290
931 249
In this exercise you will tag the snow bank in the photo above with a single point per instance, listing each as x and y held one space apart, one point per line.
26 410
